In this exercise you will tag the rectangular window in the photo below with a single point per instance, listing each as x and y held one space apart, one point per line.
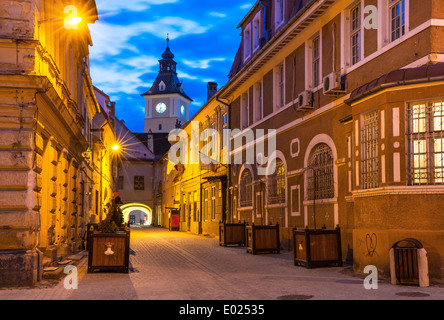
258 101
397 19
355 34
121 183
425 138
259 204
279 12
247 43
370 157
225 121
316 62
213 203
245 111
256 33
139 183
205 203
279 86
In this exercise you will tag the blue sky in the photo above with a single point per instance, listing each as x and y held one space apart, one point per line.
130 37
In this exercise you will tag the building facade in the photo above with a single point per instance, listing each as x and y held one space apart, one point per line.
47 168
352 91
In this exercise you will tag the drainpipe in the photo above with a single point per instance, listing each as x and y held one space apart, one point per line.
229 163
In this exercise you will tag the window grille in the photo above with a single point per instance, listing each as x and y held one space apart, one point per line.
320 178
425 137
276 183
246 190
139 183
370 157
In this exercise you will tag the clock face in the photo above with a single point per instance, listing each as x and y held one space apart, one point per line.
161 107
182 110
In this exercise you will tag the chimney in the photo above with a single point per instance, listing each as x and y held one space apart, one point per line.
113 108
211 89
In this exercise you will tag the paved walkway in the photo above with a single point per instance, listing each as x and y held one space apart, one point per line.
181 266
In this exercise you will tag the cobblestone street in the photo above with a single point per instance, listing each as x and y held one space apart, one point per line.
180 266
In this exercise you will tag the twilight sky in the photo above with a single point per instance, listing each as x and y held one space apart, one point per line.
130 37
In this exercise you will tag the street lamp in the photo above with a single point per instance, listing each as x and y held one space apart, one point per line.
115 147
71 21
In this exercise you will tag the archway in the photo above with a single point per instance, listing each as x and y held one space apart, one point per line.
139 213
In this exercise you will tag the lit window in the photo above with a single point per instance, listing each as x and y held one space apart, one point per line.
426 143
213 202
276 183
370 159
205 203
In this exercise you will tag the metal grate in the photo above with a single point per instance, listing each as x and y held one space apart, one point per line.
320 174
276 184
246 190
370 158
425 137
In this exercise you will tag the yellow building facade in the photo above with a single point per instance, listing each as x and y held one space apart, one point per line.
47 173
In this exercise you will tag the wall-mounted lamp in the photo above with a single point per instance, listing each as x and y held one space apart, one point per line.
71 21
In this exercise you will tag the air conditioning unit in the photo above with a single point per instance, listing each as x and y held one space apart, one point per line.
333 83
305 100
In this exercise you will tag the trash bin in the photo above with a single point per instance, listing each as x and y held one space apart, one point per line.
408 263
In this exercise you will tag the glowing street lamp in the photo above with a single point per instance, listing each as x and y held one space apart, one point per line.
71 21
115 148
75 21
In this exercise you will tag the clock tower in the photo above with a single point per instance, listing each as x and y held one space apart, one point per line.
166 104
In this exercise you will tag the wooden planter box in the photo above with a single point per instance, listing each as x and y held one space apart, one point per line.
231 234
263 239
116 246
317 248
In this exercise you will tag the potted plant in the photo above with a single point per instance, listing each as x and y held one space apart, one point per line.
109 243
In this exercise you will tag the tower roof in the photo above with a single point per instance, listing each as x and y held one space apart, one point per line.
168 55
168 76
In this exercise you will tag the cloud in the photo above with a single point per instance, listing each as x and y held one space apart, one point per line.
133 5
113 79
111 40
246 6
218 14
201 64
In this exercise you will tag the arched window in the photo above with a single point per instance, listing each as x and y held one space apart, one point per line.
246 190
320 179
276 183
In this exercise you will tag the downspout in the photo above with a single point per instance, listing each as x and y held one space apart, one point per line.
229 165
